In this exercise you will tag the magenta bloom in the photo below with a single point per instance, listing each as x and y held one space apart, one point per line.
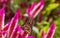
50 32
11 29
34 9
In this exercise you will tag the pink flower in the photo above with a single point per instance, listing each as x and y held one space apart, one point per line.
34 9
50 32
11 29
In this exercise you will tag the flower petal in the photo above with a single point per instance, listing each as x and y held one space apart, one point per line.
2 18
43 34
51 31
35 9
14 33
6 27
30 8
38 8
13 24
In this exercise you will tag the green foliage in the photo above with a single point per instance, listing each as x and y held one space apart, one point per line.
57 33
49 8
21 22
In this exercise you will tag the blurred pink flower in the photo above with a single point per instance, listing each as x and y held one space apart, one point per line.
11 29
34 9
50 32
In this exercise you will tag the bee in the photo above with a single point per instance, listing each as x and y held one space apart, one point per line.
27 27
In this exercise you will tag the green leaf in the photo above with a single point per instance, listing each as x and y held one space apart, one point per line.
16 2
45 28
52 1
52 6
21 22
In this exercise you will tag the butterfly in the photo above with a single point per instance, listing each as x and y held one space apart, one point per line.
28 26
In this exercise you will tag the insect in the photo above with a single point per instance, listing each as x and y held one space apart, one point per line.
28 26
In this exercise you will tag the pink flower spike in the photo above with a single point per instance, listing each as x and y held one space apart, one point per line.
51 31
2 18
13 24
30 8
1 21
19 32
15 32
38 8
34 10
42 1
18 13
6 27
33 4
18 36
43 34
